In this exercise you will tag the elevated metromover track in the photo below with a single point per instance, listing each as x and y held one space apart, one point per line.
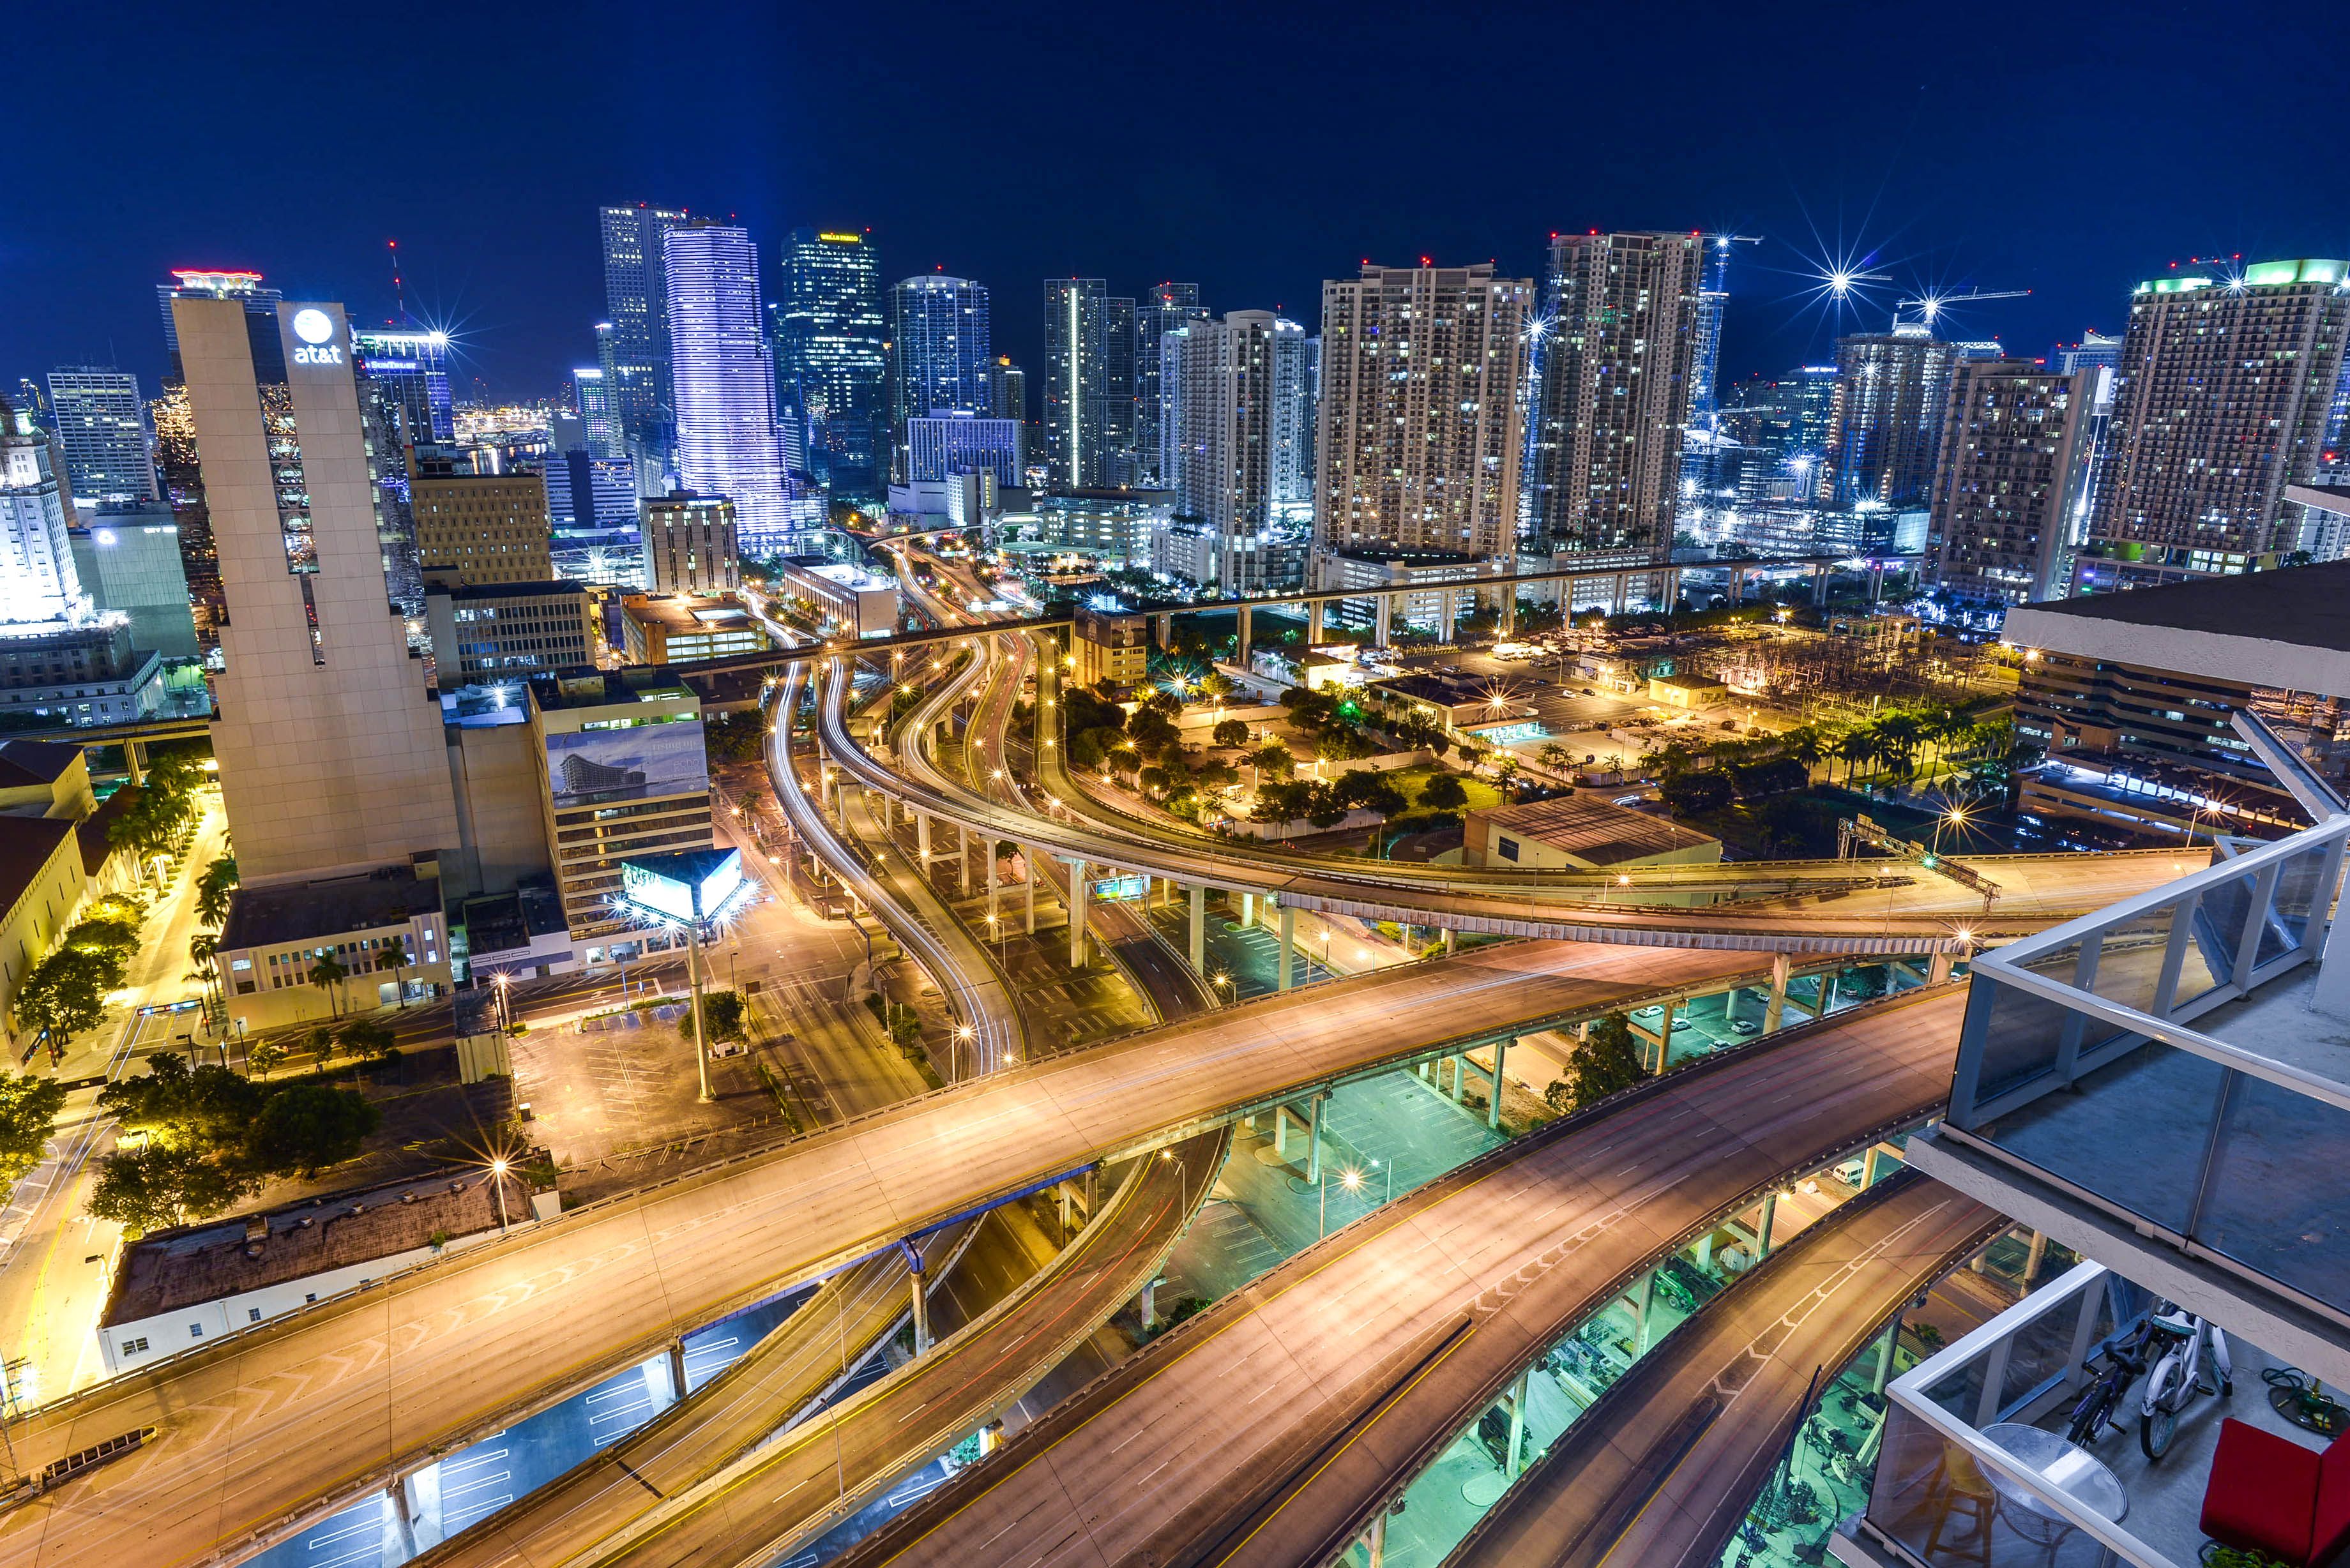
260 1430
1273 1427
1661 1471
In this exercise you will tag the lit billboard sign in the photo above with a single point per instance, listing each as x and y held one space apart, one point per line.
689 886
315 328
638 762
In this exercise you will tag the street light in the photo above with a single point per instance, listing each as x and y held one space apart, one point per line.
498 1178
965 1034
506 1011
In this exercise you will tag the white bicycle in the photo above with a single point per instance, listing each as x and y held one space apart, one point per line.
2177 1374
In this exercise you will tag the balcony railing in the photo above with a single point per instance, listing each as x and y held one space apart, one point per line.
1945 1493
2077 1062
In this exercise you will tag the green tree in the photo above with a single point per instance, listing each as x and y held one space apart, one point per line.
1273 760
65 994
726 1015
156 1186
1231 733
264 1056
327 974
1605 1063
305 1128
1687 792
28 1114
368 1039
203 1108
1444 792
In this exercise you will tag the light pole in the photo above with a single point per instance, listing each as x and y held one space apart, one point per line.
965 1034
498 1176
506 1010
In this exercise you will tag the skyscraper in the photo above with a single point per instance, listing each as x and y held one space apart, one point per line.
832 352
1422 428
330 751
690 545
260 306
1620 316
1892 390
1230 396
2225 394
2013 458
951 442
939 345
38 580
103 438
1007 398
411 368
598 414
1296 392
1162 308
1089 388
724 380
636 303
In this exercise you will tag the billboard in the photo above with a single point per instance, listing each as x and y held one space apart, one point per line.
644 762
691 885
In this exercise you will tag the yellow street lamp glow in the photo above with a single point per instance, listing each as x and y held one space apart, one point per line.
965 1032
1351 1179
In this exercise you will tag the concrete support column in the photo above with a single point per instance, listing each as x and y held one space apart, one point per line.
1868 1163
677 1369
1281 1132
1146 1305
1509 608
1617 586
1774 1011
1819 586
1248 909
1313 628
1451 939
963 855
1642 1303
1828 993
1241 653
1077 914
1493 1110
1762 1226
1200 928
994 882
404 1515
1885 1344
1382 619
134 757
922 1307
1703 1252
1314 1139
1450 613
1456 1079
922 839
1029 857
1938 969
1288 935
1513 1462
1875 582
1375 1541
2032 1258
1162 630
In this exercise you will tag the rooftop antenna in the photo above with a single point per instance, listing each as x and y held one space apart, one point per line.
399 295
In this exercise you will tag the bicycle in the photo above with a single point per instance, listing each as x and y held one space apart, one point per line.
2177 1377
2125 1360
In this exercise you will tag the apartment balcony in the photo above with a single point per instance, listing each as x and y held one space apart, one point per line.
1973 1467
2164 1085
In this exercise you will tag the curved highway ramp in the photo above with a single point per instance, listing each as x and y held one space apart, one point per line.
1275 1427
1659 1473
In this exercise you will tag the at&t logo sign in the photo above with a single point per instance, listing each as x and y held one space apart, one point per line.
315 327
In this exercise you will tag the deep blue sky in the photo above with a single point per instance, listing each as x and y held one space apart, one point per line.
1257 149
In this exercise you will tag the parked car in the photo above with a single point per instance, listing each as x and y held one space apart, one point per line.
1679 1024
1746 1027
1647 1013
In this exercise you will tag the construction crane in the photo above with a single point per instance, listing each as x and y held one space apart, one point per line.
1930 306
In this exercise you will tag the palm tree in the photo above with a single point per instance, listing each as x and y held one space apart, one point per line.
1802 744
213 889
1854 748
325 974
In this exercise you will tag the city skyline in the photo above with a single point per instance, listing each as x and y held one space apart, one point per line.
516 272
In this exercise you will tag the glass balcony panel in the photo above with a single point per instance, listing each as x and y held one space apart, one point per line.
1933 1498
2219 917
2129 959
2021 1032
2038 1353
2279 1197
2290 903
2133 1135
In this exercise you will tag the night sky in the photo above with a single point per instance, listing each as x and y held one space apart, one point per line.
2069 150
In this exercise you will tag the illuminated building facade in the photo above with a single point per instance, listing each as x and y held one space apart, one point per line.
1420 434
600 415
2014 460
950 441
1620 317
1088 392
412 370
690 545
941 340
1230 397
104 442
1163 308
723 379
477 527
1892 391
38 583
331 755
832 353
2223 399
636 305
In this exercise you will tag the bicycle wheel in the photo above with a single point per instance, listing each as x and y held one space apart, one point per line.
2157 1429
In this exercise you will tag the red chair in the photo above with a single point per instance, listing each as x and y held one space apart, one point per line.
2269 1494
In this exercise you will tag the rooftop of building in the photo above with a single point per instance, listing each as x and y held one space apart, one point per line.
286 912
685 612
29 764
96 831
473 593
502 922
1593 828
605 687
1685 682
1430 687
26 844
1405 557
174 1270
847 575
2288 628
